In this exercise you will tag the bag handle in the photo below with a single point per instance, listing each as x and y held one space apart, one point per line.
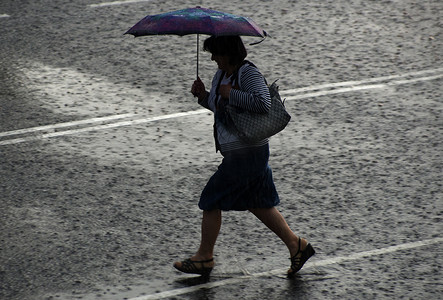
236 75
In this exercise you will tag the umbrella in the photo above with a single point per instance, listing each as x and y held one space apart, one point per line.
196 20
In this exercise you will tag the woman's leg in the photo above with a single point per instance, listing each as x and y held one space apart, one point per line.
273 219
202 262
211 224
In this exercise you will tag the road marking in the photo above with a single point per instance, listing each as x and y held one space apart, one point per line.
313 264
336 91
362 87
4 16
359 82
66 124
354 86
117 3
101 127
407 81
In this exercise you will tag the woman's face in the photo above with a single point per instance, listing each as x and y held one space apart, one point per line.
222 61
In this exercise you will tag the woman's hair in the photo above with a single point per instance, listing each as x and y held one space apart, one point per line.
231 46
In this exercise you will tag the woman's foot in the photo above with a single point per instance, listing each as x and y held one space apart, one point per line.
302 254
200 267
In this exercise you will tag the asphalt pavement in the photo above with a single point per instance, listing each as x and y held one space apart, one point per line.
104 153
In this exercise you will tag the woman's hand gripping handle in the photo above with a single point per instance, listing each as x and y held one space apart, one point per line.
198 90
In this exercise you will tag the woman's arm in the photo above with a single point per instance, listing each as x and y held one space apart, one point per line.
254 95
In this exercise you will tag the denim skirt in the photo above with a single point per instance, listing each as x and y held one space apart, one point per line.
243 181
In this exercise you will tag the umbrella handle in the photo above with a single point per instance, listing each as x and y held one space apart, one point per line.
197 53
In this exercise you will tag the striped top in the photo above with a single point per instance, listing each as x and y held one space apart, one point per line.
253 95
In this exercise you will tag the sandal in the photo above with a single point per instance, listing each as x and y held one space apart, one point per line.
191 267
299 259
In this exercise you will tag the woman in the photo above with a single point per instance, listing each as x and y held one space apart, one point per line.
244 180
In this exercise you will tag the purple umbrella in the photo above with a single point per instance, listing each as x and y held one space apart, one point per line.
196 20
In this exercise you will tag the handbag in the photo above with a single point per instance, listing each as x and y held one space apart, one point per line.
253 127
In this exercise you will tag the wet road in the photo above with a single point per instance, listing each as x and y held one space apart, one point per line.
103 153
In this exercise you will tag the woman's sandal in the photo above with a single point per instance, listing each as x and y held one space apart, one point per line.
190 266
299 259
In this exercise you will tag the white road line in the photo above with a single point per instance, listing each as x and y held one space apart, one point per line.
117 3
358 82
363 87
407 81
101 127
336 91
313 264
4 16
352 88
66 124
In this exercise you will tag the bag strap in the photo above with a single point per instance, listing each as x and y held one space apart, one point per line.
236 74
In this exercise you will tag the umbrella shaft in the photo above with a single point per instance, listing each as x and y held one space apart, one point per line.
197 53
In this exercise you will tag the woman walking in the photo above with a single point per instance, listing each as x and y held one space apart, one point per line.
243 180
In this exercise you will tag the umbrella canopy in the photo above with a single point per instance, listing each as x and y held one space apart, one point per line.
196 20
